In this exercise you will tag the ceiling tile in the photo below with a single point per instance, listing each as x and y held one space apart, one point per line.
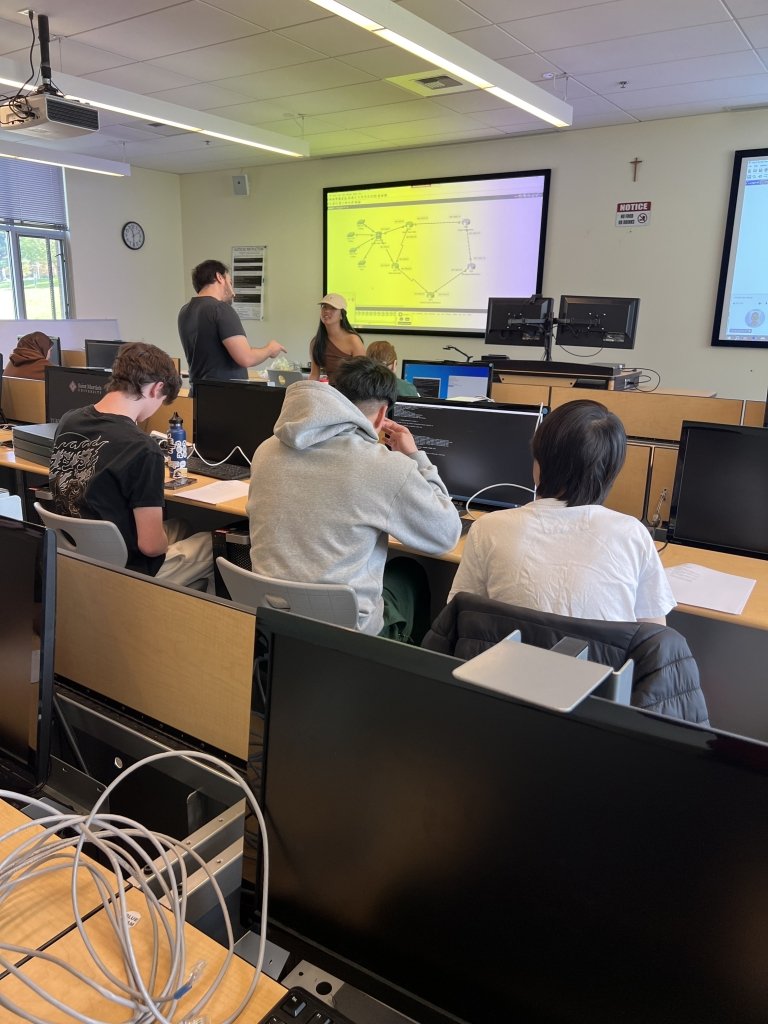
387 62
614 20
753 86
204 96
756 30
239 57
333 37
301 127
746 8
530 65
492 41
68 17
470 102
141 77
14 37
391 113
448 122
299 78
675 72
499 10
186 26
698 41
447 15
255 112
273 15
352 97
597 119
74 58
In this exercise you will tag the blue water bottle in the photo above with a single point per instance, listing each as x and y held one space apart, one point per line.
177 446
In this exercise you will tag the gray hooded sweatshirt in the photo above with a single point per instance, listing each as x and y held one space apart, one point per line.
325 496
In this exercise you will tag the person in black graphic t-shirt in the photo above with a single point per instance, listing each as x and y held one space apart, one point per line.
103 466
211 332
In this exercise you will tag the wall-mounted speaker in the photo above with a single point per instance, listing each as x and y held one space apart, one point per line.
240 184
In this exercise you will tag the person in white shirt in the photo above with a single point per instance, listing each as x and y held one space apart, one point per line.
564 552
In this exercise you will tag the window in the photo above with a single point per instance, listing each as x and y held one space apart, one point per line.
33 242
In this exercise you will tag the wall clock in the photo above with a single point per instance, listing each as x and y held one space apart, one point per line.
133 235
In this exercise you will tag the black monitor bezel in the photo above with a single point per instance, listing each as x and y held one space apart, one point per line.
685 432
92 346
86 371
239 386
569 335
542 323
635 725
449 362
37 767
488 406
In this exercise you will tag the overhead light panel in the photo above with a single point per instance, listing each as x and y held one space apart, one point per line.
409 32
59 158
146 108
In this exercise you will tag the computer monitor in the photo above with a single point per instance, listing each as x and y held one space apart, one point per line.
449 379
28 557
520 321
720 494
100 353
474 446
465 857
588 321
232 414
72 387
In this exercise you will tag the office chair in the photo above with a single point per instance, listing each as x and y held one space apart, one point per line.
95 538
326 602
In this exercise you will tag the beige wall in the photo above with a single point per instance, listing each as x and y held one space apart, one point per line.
143 290
672 264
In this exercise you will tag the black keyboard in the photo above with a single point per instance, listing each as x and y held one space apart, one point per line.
301 1007
224 471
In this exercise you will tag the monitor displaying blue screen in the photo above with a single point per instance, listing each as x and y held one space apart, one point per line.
449 380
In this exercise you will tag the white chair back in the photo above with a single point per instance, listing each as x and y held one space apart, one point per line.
333 602
96 538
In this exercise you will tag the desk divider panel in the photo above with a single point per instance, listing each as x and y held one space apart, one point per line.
754 414
73 357
658 417
24 400
522 394
628 493
173 655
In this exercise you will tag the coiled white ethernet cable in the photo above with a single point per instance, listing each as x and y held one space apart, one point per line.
145 997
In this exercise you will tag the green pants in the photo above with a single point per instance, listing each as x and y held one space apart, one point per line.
406 601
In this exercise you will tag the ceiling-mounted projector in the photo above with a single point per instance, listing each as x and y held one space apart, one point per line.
45 115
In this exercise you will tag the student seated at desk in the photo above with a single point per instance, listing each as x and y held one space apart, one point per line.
325 495
384 352
30 357
103 466
564 553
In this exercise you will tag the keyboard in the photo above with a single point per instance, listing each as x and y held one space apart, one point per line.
301 1007
225 471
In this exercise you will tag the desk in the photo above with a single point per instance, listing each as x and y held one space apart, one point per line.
71 948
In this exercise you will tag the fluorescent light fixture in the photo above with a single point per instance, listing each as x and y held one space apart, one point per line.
401 28
433 58
58 158
349 14
148 109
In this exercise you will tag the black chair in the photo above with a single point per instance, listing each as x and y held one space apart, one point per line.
666 677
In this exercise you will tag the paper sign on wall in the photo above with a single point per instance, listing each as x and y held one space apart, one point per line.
633 215
248 280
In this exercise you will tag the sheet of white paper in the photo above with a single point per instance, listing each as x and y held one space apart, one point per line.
707 588
222 490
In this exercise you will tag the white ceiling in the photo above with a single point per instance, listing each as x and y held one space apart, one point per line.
290 67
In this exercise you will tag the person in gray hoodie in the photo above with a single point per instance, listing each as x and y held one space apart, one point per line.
325 495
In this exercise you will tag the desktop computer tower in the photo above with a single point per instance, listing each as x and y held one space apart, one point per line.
234 544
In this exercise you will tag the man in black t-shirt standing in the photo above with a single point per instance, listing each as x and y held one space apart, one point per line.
211 332
103 466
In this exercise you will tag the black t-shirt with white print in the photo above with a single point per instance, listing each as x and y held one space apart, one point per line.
103 466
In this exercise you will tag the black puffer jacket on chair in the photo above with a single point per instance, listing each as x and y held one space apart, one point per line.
666 678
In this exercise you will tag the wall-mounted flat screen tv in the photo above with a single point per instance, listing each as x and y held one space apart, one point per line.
741 310
423 257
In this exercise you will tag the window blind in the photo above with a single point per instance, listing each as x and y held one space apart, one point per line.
32 193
